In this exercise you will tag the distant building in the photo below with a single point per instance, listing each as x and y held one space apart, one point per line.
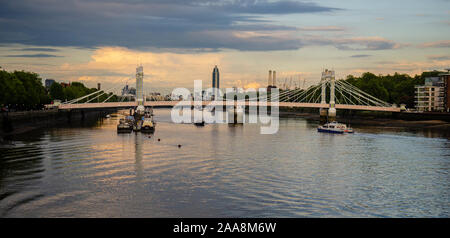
272 80
445 78
215 78
99 86
65 85
156 97
49 82
431 96
128 91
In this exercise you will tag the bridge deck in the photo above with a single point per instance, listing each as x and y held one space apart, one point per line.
173 103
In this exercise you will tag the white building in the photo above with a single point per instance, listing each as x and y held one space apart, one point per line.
430 97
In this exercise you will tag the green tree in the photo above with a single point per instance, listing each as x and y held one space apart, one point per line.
56 91
12 90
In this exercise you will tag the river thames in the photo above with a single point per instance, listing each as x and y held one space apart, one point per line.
224 171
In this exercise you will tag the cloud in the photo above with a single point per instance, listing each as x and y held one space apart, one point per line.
169 25
117 65
436 44
356 43
277 7
253 85
366 43
439 57
322 28
172 24
403 66
33 56
360 56
40 49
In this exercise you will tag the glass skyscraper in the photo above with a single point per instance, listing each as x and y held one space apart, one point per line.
215 78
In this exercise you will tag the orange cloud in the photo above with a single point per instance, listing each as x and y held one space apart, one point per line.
252 85
117 65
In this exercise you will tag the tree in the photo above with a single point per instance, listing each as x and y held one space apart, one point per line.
12 90
56 91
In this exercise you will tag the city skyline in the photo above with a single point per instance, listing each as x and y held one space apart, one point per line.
178 42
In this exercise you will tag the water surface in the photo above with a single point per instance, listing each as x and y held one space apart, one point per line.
224 171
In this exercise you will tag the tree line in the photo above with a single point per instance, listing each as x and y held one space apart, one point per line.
76 90
20 90
397 88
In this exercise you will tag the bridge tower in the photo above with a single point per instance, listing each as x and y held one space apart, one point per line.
328 113
140 85
332 109
323 111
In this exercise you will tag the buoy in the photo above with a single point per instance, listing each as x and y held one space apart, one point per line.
179 146
159 139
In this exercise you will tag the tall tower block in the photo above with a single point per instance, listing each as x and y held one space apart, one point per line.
140 85
215 79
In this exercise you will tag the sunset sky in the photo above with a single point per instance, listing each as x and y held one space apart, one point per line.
178 41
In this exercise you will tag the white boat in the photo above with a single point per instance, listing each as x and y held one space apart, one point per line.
335 128
148 125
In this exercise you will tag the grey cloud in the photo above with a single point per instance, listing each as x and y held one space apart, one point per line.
141 24
436 44
40 49
33 56
357 43
360 56
439 57
322 28
279 7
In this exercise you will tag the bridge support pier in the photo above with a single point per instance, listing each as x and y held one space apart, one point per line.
323 115
332 109
331 114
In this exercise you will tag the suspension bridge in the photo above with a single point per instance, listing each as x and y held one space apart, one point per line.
328 95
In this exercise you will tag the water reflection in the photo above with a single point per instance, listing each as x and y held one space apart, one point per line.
21 169
138 156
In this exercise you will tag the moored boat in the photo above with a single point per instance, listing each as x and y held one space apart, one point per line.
148 125
335 128
124 126
202 123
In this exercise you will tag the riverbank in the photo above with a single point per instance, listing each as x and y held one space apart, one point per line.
15 123
395 121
